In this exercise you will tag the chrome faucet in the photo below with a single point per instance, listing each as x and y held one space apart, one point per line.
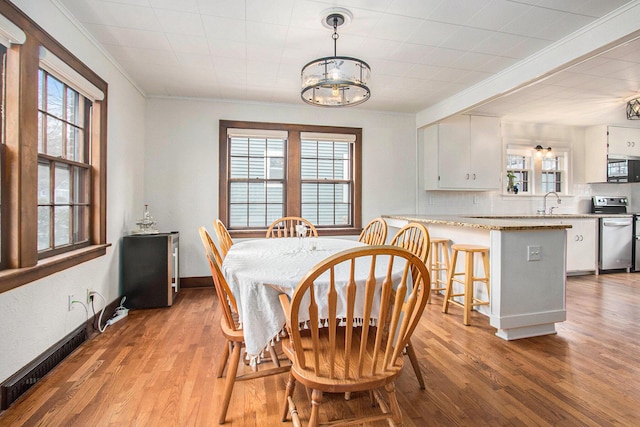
544 203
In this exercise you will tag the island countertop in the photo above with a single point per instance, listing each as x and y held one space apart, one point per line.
493 222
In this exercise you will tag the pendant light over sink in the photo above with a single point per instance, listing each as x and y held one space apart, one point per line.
335 81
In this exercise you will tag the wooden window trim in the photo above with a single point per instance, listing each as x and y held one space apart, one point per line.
23 62
293 195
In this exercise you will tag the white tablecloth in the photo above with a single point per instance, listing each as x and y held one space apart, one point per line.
259 270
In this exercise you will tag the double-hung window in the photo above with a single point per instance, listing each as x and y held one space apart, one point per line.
52 155
269 171
536 172
63 166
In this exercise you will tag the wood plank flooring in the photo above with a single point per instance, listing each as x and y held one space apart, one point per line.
157 368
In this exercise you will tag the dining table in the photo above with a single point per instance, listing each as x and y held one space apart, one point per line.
259 270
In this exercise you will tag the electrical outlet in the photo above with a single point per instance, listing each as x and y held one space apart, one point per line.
70 307
534 253
89 296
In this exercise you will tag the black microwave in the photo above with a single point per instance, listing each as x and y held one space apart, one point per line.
623 170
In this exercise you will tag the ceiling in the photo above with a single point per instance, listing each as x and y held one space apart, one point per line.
421 52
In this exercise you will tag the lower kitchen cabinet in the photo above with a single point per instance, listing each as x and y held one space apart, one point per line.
582 245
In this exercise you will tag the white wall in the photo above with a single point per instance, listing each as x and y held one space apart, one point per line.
181 162
495 202
34 316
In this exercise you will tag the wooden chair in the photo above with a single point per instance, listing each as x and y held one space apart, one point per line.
360 351
414 237
224 238
230 329
375 233
286 227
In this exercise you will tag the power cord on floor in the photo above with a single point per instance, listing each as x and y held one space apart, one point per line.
104 305
121 311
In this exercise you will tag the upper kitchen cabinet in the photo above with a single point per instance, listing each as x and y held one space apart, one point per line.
603 143
463 153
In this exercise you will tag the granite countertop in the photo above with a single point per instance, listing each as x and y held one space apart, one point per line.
496 222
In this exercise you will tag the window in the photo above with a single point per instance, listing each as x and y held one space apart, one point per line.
52 156
552 172
63 167
519 166
273 170
535 174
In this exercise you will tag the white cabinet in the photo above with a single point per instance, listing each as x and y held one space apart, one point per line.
582 245
463 153
624 141
604 141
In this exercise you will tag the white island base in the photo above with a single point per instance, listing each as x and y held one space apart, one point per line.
527 294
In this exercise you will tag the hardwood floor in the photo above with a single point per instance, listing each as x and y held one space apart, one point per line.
157 368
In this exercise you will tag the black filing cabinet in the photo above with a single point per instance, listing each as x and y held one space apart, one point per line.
150 276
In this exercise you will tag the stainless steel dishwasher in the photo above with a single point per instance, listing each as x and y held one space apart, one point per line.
616 237
616 233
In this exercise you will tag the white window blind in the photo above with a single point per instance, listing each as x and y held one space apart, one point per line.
62 71
10 33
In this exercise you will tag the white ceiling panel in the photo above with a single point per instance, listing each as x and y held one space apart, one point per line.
421 51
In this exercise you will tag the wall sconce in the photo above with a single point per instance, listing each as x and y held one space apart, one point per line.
633 109
540 151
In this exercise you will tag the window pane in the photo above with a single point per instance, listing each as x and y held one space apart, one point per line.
309 149
275 168
239 192
325 149
239 147
325 169
340 169
310 212
40 89
275 148
341 150
238 216
274 211
239 167
257 168
257 193
257 147
309 168
81 185
62 225
80 224
44 180
44 236
55 96
257 215
41 148
73 113
75 145
62 184
54 136
275 193
309 193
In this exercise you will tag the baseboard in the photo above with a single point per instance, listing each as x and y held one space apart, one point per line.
14 386
196 282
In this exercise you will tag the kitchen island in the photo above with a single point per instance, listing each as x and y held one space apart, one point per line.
527 263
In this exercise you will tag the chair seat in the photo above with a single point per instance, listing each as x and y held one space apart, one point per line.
340 384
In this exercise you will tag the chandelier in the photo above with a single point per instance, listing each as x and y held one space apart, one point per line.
335 81
633 109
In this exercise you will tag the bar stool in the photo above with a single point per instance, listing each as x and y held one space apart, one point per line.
438 262
469 300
